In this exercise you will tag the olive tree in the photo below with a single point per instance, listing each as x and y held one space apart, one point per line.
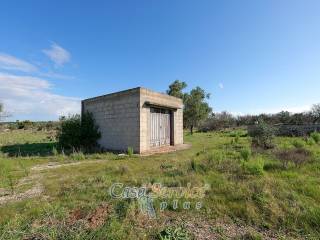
175 89
196 109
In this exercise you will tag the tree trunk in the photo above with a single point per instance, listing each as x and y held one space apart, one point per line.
191 129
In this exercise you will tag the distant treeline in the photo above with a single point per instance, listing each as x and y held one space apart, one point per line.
30 125
218 121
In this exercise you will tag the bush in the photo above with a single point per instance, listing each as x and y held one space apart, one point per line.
254 167
77 156
298 143
245 154
121 209
78 133
310 141
25 124
250 236
315 136
130 151
262 135
297 156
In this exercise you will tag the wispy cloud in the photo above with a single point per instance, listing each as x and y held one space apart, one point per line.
57 54
9 62
54 75
33 96
221 85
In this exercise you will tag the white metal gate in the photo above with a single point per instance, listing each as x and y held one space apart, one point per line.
159 127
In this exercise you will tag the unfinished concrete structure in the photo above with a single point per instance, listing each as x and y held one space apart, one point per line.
137 118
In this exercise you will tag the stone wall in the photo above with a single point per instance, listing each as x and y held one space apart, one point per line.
117 116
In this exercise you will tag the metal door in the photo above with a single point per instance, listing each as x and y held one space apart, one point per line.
159 127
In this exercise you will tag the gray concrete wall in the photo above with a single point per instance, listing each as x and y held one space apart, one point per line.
123 118
117 116
148 96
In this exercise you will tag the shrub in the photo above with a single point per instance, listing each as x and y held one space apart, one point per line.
174 233
310 141
245 154
25 124
193 165
77 156
315 136
121 209
78 133
54 151
130 151
250 236
297 156
262 135
298 143
253 167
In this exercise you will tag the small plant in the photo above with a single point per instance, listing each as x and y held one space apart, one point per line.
54 151
11 183
310 141
254 167
193 165
315 136
130 151
237 139
250 236
174 233
121 209
298 143
24 168
245 154
77 156
262 135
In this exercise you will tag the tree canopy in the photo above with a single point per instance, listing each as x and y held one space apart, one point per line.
175 89
196 109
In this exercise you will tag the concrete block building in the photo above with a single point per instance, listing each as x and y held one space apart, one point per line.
137 118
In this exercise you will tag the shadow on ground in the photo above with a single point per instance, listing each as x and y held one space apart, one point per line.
28 149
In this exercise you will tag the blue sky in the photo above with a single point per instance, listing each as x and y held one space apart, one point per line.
252 56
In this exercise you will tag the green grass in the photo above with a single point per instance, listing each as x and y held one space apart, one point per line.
248 188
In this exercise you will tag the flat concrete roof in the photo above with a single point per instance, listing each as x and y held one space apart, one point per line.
131 90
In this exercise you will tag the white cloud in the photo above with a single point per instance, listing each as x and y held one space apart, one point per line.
25 95
9 62
221 85
54 75
57 54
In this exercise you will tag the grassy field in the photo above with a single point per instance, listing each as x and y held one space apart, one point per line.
253 194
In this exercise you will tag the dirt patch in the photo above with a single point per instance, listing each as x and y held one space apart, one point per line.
75 216
54 165
33 192
98 217
166 149
203 229
93 220
297 156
